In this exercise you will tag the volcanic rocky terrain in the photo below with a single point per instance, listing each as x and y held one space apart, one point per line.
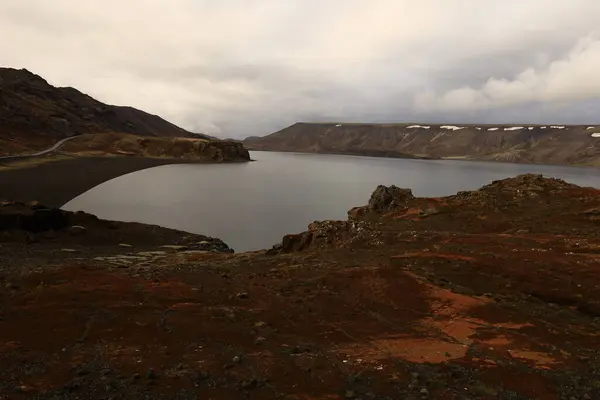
486 294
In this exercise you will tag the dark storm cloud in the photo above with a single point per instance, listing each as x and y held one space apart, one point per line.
237 68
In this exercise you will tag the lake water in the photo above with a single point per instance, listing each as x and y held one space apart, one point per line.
252 205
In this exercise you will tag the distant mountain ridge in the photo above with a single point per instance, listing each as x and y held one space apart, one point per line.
34 114
540 144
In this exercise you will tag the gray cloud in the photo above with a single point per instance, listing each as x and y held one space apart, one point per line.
237 68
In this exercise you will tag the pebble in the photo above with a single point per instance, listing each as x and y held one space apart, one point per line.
151 374
237 359
77 230
121 264
251 384
124 245
350 394
151 253
68 250
259 340
135 258
174 247
242 295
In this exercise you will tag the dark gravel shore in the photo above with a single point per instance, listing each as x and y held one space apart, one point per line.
55 180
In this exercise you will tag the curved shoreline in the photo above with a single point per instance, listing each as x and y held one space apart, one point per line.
54 181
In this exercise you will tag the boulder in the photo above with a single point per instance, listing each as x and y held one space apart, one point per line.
357 213
296 242
386 198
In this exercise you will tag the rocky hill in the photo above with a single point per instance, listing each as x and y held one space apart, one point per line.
549 144
35 114
157 147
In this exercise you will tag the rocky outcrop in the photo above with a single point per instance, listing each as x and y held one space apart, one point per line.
35 114
383 199
521 200
545 144
176 148
33 222
326 234
226 151
386 198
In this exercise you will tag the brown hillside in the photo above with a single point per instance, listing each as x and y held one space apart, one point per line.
550 144
35 114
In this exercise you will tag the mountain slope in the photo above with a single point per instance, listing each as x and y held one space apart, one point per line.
551 144
35 114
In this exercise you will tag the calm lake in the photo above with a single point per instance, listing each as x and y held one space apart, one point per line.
251 206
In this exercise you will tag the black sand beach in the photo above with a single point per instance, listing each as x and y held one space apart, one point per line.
55 180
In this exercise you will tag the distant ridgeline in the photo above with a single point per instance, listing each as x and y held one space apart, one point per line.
543 144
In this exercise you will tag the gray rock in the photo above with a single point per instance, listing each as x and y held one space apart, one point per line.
132 258
121 263
386 198
76 230
151 253
124 245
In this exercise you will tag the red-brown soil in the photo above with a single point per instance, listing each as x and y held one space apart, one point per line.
490 294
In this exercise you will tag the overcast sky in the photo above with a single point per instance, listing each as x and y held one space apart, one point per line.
237 68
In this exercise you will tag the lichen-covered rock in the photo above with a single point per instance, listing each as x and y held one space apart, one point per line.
211 244
357 213
296 242
386 198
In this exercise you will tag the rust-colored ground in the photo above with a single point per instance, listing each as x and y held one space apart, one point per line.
495 295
